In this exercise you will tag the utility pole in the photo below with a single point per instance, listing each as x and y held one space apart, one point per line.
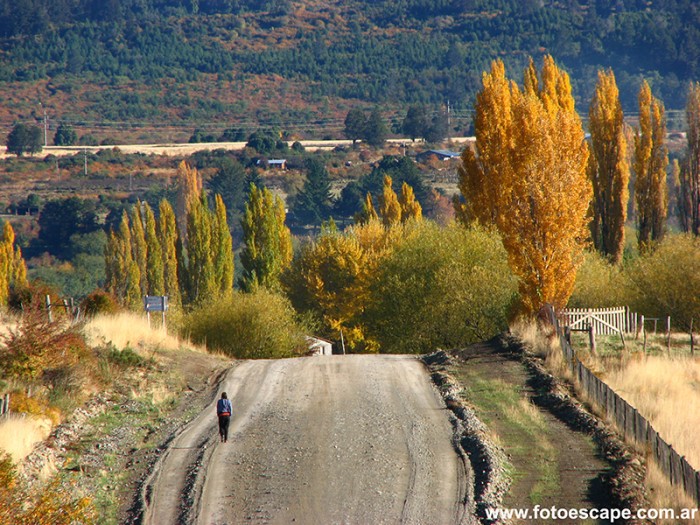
449 123
46 125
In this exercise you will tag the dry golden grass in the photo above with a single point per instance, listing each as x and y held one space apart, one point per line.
19 434
131 330
667 392
663 495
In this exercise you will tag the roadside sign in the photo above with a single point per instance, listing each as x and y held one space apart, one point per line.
155 303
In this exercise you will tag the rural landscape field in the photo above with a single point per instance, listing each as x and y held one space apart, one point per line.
441 256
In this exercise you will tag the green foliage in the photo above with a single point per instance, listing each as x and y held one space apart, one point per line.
258 325
599 284
267 244
125 358
24 139
62 218
312 205
65 135
372 129
401 169
440 288
667 281
656 284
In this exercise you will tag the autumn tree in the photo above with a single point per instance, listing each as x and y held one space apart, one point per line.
608 168
689 180
170 243
13 271
222 249
527 176
267 242
123 278
154 254
410 207
200 284
389 208
189 189
139 249
650 162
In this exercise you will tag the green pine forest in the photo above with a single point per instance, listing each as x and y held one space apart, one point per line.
301 65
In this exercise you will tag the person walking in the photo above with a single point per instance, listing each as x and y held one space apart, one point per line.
224 411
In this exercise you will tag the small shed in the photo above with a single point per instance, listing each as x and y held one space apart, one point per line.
319 346
440 154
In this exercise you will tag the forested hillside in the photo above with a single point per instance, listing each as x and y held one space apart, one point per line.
176 64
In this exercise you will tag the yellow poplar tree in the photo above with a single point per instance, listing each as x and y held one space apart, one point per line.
189 189
267 242
527 175
689 179
169 237
410 207
608 168
139 248
123 276
650 163
222 248
368 213
13 271
201 277
154 254
389 208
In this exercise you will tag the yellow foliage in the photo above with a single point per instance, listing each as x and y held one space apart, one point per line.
390 208
410 207
13 270
527 175
608 168
650 162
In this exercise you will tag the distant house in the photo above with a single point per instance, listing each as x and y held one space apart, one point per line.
318 346
275 164
440 154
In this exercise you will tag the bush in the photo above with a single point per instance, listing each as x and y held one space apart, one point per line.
56 504
248 326
599 284
100 302
667 281
441 287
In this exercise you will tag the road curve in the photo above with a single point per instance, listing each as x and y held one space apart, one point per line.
318 440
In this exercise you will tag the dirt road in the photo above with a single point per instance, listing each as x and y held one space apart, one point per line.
320 440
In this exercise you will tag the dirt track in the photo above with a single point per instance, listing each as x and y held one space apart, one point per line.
341 439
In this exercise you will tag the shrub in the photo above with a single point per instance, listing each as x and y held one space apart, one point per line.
599 284
56 504
36 346
441 287
667 281
100 302
261 324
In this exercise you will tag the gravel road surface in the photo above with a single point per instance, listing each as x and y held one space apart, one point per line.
318 440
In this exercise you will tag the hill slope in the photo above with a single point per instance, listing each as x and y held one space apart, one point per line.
158 68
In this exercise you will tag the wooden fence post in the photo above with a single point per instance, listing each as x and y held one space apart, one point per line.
48 308
668 334
591 339
692 339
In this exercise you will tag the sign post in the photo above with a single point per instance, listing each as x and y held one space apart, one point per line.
155 303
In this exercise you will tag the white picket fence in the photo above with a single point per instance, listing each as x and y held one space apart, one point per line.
605 321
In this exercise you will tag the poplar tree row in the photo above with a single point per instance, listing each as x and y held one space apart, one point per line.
146 256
